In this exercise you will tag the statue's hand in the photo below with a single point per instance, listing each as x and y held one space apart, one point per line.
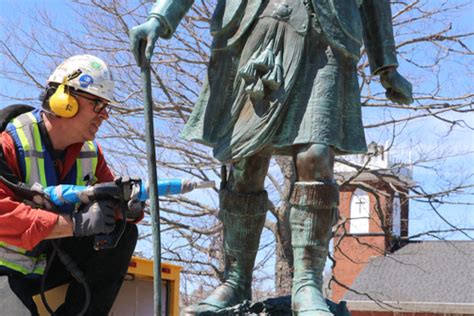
142 40
398 89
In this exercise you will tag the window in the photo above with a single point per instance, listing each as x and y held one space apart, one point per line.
360 206
396 215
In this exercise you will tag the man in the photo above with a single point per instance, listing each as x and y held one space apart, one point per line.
282 79
51 146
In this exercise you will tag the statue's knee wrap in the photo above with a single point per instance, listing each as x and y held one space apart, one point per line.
312 215
243 216
313 212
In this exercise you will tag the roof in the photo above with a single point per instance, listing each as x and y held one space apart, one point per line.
429 276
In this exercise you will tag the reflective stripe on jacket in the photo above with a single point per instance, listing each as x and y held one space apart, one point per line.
17 259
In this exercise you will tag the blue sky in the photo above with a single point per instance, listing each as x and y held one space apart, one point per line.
422 217
423 137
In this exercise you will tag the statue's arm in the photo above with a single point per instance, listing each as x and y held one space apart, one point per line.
170 13
380 46
378 35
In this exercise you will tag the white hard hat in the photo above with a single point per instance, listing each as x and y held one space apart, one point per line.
94 76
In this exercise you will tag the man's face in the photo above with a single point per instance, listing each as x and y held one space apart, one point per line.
92 112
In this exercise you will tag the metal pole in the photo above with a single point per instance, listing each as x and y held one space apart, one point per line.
153 189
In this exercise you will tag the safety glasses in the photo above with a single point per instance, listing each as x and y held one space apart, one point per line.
99 104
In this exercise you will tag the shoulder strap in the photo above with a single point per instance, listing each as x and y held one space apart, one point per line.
10 112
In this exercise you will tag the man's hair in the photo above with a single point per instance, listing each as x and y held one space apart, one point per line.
46 95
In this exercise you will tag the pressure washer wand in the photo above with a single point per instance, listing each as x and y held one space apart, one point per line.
71 194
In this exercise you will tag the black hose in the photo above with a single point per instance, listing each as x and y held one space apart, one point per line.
75 271
43 281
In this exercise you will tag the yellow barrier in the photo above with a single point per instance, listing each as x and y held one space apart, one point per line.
136 295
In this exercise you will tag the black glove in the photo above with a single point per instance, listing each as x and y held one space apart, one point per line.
96 218
131 187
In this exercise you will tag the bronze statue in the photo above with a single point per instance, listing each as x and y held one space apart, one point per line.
281 80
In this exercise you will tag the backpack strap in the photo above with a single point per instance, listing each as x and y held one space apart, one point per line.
10 112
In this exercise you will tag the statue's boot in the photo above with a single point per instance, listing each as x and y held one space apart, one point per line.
243 216
312 215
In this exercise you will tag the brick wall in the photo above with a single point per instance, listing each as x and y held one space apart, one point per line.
353 252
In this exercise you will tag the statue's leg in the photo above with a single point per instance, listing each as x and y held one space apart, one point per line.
313 213
243 205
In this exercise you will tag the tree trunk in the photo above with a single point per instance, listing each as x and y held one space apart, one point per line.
283 251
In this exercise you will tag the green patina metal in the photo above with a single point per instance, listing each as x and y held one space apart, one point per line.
153 189
282 80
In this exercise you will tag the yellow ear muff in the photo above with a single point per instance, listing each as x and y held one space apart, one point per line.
62 103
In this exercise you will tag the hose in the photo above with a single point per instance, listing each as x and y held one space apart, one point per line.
75 271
